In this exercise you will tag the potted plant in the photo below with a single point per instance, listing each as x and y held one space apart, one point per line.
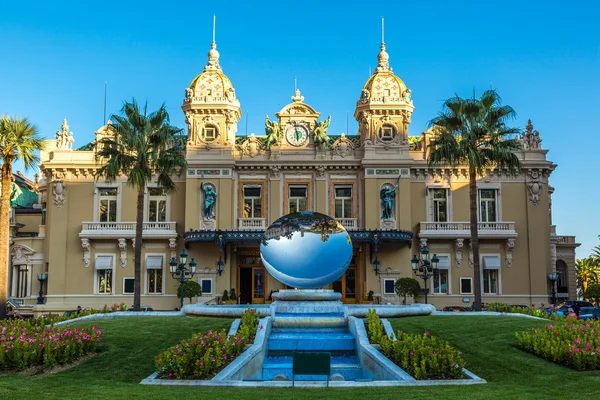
229 298
369 299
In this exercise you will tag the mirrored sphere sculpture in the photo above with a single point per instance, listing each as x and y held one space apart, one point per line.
306 250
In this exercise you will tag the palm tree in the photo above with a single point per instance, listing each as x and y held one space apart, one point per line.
142 145
473 132
19 139
588 272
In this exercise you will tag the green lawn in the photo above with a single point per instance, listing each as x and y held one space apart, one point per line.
129 346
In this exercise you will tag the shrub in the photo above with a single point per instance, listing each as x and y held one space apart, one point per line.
191 289
232 295
27 343
51 319
574 344
501 307
424 356
375 329
370 295
593 293
407 287
205 355
225 296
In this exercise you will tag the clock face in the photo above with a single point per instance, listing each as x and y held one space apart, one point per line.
297 135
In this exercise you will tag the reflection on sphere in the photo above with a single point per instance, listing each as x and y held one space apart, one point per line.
306 250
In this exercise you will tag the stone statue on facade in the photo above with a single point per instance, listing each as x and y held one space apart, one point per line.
273 131
64 138
210 199
188 94
387 196
320 133
531 138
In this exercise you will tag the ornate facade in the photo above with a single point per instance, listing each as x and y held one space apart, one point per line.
377 183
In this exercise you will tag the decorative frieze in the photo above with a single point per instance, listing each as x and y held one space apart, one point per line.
510 245
85 244
123 248
59 190
458 252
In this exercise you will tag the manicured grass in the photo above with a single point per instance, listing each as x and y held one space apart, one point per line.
130 345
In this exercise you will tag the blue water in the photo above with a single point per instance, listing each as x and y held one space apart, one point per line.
283 342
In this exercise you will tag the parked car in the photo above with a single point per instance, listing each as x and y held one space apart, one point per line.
142 308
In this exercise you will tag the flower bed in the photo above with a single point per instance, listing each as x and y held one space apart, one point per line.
204 355
575 344
54 318
26 343
501 307
422 356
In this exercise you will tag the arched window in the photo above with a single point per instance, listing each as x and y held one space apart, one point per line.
563 279
387 132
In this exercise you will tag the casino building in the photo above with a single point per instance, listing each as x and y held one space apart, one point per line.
376 183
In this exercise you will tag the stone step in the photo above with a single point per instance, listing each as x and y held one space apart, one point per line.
290 321
307 340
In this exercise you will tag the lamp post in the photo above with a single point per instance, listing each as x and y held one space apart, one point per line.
553 277
423 268
220 265
42 278
181 273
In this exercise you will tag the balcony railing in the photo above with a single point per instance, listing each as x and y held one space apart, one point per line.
99 230
351 224
251 223
566 239
455 230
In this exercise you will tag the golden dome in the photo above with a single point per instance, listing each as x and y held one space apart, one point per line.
212 82
384 84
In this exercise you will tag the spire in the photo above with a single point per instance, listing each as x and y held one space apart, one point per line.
213 54
383 58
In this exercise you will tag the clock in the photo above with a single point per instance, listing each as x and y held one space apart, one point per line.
297 134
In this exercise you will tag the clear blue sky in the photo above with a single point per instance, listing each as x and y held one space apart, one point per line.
542 56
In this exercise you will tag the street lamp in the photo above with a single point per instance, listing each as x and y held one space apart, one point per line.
553 277
220 265
181 273
42 278
423 268
376 265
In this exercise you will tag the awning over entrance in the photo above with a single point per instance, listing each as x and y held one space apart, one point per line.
365 236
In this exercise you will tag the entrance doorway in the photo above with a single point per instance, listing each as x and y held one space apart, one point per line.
346 285
252 280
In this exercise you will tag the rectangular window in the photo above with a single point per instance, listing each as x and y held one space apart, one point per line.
487 205
23 280
210 133
439 200
298 198
491 268
104 274
465 286
388 286
252 201
387 133
154 268
157 205
104 281
108 204
128 285
206 285
439 281
343 201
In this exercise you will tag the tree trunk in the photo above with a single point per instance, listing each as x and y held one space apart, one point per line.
6 178
475 236
137 257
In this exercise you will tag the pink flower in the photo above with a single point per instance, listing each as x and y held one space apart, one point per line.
427 334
